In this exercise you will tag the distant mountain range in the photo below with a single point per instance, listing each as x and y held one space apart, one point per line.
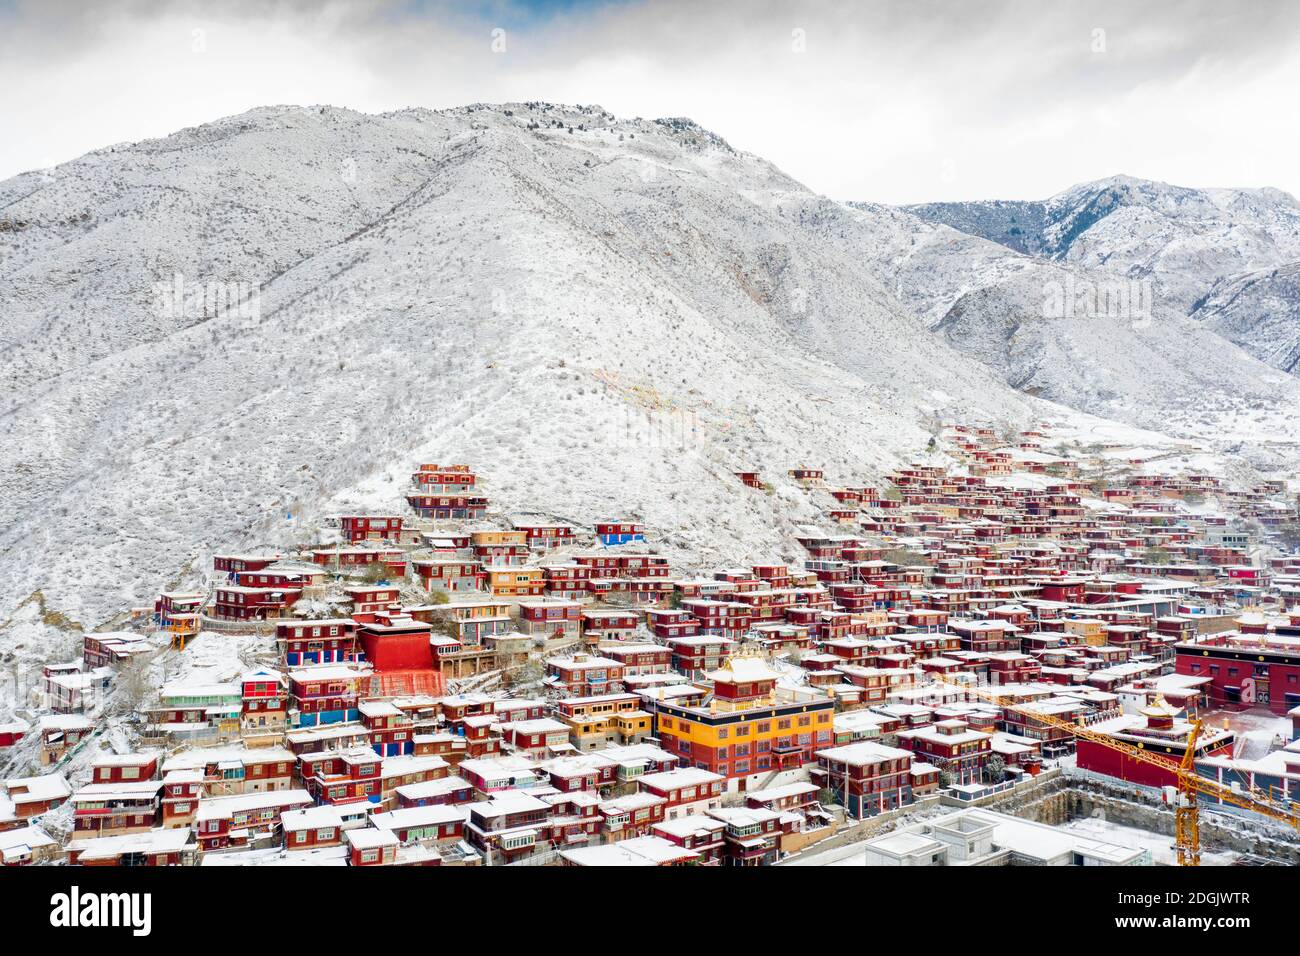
1224 257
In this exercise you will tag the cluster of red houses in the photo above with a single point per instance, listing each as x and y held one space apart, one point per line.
637 716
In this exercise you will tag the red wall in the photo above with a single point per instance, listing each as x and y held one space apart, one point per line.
1099 759
398 651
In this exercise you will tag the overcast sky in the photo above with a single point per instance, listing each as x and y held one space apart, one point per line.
897 102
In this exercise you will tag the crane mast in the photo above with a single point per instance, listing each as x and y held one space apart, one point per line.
1190 784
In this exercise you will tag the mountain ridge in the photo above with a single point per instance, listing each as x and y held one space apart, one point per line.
604 316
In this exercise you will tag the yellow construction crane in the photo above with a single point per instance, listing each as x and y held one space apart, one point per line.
1190 785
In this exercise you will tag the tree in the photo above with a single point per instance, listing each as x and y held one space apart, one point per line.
132 686
531 672
1288 536
995 769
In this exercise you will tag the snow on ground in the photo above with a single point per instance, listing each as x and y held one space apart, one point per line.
1160 845
1258 724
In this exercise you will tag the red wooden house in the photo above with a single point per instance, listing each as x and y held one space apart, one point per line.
311 828
684 790
639 658
619 532
236 563
245 818
866 778
608 625
369 598
12 731
697 832
583 675
444 478
950 745
322 641
391 730
542 536
549 617
439 823
447 507
632 815
178 611
692 656
325 693
341 776
123 768
449 574
568 581
182 790
373 846
26 797
265 701
436 792
236 603
109 809
720 618
370 527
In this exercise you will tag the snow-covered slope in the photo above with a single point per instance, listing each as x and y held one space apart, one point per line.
1121 351
1183 240
1260 311
1017 224
604 317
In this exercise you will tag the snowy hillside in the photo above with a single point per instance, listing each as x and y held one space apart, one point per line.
1121 351
1184 240
1260 311
1016 224
606 317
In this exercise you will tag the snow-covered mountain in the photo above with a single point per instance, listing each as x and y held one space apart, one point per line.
1260 311
605 317
1081 335
1184 240
1020 225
